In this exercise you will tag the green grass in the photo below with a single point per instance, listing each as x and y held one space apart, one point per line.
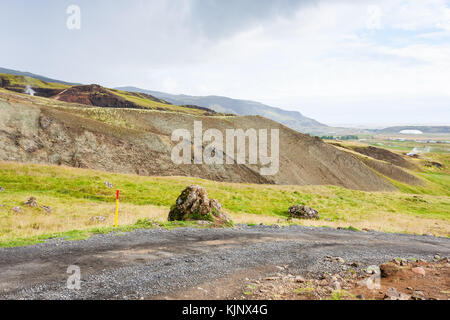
67 183
340 294
77 194
76 235
21 81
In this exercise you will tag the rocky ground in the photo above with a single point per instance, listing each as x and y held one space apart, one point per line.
400 279
226 263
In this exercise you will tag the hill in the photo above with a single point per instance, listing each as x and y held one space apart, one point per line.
35 76
49 131
292 119
19 83
91 95
423 129
96 95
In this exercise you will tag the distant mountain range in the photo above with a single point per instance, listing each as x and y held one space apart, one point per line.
292 119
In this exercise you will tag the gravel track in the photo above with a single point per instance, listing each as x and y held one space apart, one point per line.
155 262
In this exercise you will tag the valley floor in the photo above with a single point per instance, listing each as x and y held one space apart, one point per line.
82 205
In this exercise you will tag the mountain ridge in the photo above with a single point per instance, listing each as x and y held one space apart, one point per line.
293 119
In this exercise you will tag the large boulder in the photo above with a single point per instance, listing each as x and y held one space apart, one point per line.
303 212
194 204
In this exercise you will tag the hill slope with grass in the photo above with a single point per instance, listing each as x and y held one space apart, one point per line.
95 95
35 76
77 196
19 83
48 131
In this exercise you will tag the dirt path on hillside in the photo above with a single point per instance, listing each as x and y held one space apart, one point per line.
160 263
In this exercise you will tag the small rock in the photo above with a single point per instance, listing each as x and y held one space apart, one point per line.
410 288
299 279
109 185
276 226
303 212
360 297
279 268
419 270
422 261
354 264
336 285
17 209
204 223
404 296
428 235
403 262
392 294
370 270
323 283
340 260
47 209
98 219
31 202
388 269
418 295
437 257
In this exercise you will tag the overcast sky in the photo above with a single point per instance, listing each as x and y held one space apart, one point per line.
341 62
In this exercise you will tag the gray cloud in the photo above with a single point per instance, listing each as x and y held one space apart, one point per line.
218 18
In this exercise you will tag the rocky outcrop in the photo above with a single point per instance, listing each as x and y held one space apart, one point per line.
303 212
194 204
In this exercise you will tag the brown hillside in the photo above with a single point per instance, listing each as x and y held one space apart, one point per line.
385 155
95 95
138 141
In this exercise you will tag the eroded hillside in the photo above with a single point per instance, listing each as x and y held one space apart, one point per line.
41 130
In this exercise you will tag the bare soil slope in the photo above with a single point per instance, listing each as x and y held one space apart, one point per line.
138 141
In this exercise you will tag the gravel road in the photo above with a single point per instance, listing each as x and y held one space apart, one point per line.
154 263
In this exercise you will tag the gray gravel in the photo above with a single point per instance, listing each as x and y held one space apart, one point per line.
154 262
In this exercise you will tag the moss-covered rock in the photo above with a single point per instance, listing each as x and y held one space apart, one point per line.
194 204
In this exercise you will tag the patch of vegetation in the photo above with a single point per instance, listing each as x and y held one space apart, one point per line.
306 290
77 194
75 235
21 81
350 228
340 294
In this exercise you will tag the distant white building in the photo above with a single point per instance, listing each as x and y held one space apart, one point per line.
411 132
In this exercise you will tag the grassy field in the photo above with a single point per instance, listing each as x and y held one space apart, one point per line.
77 195
21 81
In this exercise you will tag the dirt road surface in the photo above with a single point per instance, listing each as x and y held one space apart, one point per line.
181 263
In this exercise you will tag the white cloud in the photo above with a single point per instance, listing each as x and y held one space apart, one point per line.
315 56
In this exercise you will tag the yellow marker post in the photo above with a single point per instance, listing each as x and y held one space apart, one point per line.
117 209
